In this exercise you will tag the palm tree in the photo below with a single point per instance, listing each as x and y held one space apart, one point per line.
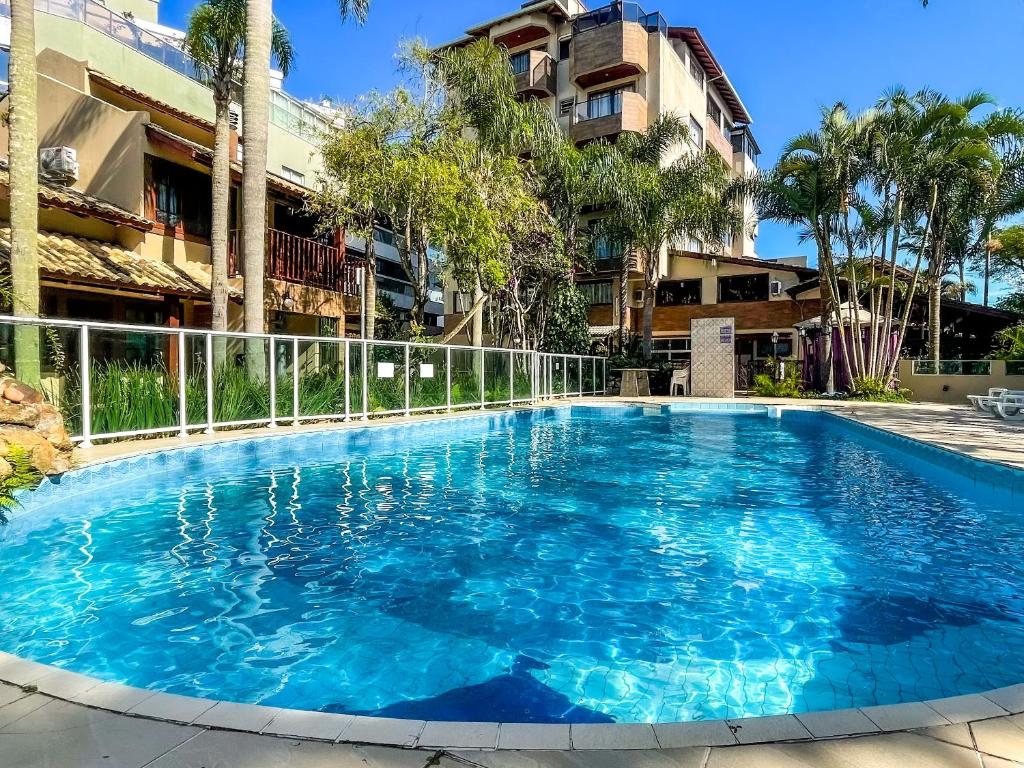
24 188
658 204
215 39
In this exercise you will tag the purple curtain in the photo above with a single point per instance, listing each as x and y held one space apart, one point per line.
814 350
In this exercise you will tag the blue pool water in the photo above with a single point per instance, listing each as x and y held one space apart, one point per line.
608 565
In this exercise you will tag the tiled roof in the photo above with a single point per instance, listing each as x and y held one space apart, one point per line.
73 200
150 101
91 261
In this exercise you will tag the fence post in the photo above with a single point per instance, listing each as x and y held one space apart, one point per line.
565 376
273 383
511 378
579 377
366 383
295 382
483 377
408 375
209 383
448 377
86 366
182 392
593 378
604 376
348 381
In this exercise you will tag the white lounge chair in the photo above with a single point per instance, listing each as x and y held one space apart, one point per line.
1010 406
986 403
680 379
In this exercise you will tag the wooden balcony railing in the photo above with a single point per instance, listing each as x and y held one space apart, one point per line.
302 261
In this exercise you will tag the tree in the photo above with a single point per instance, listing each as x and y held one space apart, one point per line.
215 39
24 188
568 331
1008 254
658 203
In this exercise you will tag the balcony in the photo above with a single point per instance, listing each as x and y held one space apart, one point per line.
722 145
535 74
610 46
609 115
302 261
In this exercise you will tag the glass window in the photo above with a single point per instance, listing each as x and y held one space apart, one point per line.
521 63
604 104
597 293
696 71
696 132
766 349
564 48
179 198
714 112
292 175
607 248
673 350
673 293
743 288
5 67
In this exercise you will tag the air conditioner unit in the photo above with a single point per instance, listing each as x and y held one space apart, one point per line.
775 288
638 296
234 119
58 164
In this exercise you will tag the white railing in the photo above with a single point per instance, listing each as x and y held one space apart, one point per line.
952 368
114 381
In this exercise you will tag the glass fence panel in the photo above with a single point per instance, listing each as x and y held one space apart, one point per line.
321 378
46 357
195 379
589 366
602 369
467 365
523 378
558 380
1015 367
573 377
497 384
133 378
241 386
427 377
386 376
355 379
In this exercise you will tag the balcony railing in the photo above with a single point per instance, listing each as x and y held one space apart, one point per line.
535 73
302 261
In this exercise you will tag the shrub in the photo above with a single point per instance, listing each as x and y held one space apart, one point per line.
790 385
877 391
23 478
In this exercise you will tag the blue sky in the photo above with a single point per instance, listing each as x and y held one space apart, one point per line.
787 58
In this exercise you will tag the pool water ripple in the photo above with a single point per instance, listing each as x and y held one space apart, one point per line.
598 566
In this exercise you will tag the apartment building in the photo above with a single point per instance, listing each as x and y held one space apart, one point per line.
617 68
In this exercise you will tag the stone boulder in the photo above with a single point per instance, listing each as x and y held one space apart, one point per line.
29 422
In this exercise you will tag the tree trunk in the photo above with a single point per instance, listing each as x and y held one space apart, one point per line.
220 219
648 342
477 329
256 117
24 189
369 297
623 304
934 318
988 272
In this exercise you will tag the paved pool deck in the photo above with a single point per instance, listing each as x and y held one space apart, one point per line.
51 718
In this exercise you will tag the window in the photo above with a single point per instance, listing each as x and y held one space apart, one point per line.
521 63
726 129
714 112
604 103
765 350
675 293
743 288
696 132
564 48
673 350
5 66
607 249
565 107
696 72
292 175
179 198
597 293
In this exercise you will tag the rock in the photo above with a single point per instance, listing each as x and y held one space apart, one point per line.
45 457
51 426
6 470
22 414
18 392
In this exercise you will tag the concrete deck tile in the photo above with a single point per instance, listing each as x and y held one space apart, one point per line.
383 730
965 709
66 734
613 736
309 725
22 671
901 717
987 761
958 734
459 735
894 750
534 736
112 696
701 733
840 722
1010 698
609 758
16 710
214 749
64 684
168 706
755 730
10 693
1000 737
237 717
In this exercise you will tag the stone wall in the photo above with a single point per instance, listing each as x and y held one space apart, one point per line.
38 427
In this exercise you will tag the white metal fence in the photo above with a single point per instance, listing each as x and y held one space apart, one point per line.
114 381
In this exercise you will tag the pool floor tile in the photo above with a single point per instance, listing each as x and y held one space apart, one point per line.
964 709
900 717
840 722
705 733
613 736
237 717
309 725
754 730
383 730
534 736
459 735
168 706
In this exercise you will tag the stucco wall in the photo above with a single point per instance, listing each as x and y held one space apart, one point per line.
955 389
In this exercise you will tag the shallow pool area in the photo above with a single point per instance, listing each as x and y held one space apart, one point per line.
585 564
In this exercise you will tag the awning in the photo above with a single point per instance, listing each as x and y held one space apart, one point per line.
106 264
603 330
863 317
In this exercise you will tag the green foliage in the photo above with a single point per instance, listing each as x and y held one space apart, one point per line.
1010 343
24 477
877 391
789 385
388 324
130 396
568 328
1013 303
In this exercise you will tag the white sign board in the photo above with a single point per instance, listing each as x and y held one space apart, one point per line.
385 370
426 370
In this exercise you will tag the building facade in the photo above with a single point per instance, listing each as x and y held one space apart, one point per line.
125 233
618 68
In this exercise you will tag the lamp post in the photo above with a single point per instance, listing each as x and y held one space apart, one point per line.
775 353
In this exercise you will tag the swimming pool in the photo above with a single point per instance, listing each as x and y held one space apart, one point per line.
560 565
